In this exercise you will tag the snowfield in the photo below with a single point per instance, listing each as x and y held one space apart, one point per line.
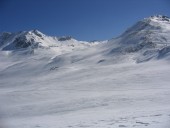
120 83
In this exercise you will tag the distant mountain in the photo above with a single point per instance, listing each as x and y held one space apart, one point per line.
34 39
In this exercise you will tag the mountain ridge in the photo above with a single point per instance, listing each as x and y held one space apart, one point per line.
148 38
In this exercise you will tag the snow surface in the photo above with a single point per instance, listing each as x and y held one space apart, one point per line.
120 83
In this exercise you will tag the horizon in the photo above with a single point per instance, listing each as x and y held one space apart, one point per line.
82 20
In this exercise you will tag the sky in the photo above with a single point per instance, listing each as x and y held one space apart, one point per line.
82 19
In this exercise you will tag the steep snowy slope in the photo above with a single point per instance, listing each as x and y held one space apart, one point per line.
149 38
65 83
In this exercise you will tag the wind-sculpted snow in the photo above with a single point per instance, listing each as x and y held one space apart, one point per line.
51 82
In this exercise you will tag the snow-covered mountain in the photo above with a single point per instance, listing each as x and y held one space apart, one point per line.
30 41
59 82
148 38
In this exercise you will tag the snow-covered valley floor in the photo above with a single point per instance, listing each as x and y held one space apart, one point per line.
76 96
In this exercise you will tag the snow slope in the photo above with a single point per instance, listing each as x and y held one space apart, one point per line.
148 38
120 83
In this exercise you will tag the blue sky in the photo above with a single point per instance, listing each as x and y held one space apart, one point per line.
82 19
